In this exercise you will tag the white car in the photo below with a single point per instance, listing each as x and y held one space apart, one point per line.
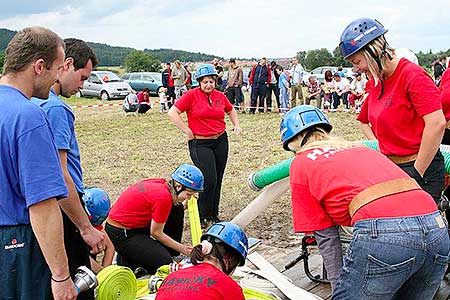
319 73
105 85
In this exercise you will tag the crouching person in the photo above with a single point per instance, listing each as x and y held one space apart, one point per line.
400 245
224 246
146 222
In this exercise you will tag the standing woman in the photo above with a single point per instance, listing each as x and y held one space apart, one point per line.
205 108
402 110
145 224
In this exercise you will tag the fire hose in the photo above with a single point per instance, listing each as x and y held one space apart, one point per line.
116 283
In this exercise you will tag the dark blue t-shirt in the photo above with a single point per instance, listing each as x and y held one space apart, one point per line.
62 122
30 171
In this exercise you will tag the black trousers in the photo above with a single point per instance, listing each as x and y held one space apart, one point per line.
77 251
433 179
258 91
136 248
210 156
143 108
234 94
273 87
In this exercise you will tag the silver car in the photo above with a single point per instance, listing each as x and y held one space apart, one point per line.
105 85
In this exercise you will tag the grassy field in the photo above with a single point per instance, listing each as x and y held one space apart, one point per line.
119 150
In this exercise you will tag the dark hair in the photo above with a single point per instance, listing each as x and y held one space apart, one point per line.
80 52
336 74
232 60
340 68
31 44
328 75
221 252
280 68
273 63
146 90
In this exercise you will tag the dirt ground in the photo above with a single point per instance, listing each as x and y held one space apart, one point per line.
119 150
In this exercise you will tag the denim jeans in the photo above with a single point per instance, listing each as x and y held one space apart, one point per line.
395 258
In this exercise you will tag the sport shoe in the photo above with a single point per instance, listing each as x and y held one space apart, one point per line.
205 223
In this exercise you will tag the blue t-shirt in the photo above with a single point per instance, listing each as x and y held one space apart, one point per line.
62 122
30 171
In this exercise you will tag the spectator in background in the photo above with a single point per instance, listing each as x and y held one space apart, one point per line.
341 71
167 82
219 70
144 101
357 91
259 80
296 82
189 77
327 88
179 76
273 87
439 69
234 84
341 91
283 85
313 91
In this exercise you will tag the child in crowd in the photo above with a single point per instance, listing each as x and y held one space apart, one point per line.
357 91
97 206
163 99
328 88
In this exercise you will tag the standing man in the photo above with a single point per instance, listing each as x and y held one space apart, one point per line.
33 260
296 82
79 234
273 87
167 82
234 84
219 70
259 80
179 76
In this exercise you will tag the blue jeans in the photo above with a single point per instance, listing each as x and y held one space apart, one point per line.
395 258
284 99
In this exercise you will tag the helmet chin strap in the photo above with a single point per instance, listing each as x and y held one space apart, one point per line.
378 61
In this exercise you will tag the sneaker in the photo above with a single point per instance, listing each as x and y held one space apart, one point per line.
205 223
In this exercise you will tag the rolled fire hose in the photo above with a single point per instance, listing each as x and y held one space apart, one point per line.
116 283
262 178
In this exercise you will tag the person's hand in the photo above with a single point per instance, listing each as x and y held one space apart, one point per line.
64 290
189 134
94 238
187 250
237 130
419 170
185 204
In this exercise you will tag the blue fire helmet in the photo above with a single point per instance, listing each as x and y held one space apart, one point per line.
97 204
230 234
299 119
189 176
358 34
205 70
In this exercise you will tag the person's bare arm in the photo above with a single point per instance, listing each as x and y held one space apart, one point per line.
156 231
174 116
109 252
431 139
235 120
367 131
46 222
73 209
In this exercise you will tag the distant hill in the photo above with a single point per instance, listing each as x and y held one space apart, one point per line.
115 56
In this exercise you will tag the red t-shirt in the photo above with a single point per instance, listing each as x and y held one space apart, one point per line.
396 118
444 87
138 205
205 114
143 98
201 282
324 181
170 83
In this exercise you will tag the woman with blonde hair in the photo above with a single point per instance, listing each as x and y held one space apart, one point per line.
402 109
400 245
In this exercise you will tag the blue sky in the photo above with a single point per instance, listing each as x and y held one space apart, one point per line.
233 28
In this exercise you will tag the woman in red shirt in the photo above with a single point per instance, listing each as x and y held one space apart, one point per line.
402 110
400 245
223 248
205 108
145 224
144 101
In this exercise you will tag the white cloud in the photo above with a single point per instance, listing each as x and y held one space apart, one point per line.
233 28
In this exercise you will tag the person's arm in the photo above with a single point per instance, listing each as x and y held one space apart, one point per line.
240 77
367 131
174 116
108 256
235 120
46 222
156 231
431 139
330 249
73 209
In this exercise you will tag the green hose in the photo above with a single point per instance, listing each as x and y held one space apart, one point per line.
262 178
116 283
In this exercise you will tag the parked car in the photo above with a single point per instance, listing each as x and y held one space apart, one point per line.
105 85
141 80
319 72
